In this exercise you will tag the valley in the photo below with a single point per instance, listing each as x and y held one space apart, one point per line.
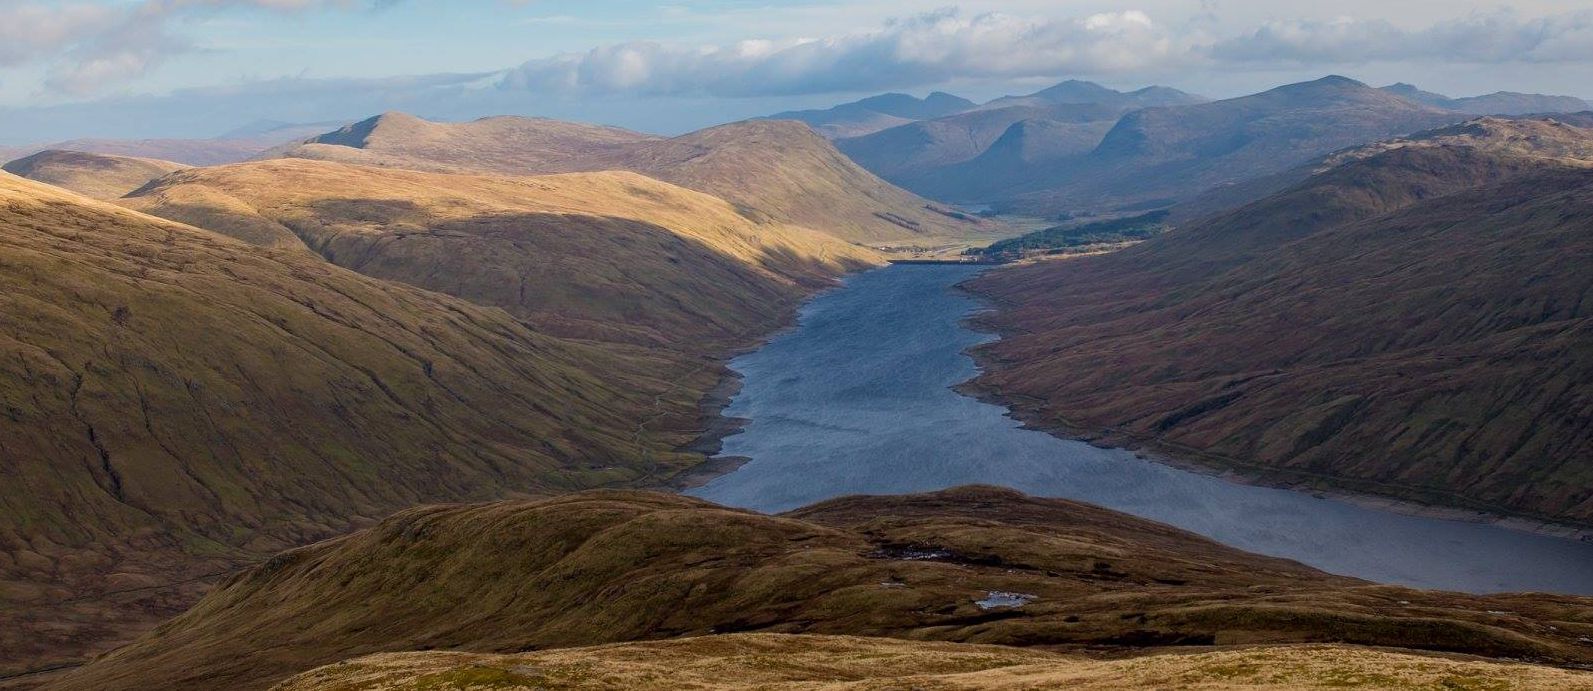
1279 386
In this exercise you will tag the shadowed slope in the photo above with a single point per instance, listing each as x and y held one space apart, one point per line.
1411 321
174 403
1155 156
774 170
933 156
615 256
616 566
91 175
807 662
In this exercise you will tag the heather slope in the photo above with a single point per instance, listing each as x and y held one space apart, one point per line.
613 256
604 567
92 175
776 661
177 403
1411 320
773 170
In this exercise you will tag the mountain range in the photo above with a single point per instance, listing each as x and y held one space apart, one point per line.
1080 146
380 406
237 145
876 113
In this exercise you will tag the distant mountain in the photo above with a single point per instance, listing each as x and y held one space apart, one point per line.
1157 156
93 175
933 157
280 131
1427 297
1497 103
916 154
239 145
876 113
1075 91
605 567
775 170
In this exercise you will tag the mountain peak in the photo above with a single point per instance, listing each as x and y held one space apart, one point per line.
359 134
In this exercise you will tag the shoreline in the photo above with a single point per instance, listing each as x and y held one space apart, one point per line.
716 427
1232 470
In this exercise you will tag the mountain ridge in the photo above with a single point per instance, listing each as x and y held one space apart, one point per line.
779 170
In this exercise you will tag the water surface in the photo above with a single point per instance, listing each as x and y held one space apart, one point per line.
856 400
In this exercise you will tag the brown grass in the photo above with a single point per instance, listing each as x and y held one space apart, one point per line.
614 566
99 176
775 170
175 403
773 661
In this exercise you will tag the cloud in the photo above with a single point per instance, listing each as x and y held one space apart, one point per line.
923 49
1496 37
89 45
937 47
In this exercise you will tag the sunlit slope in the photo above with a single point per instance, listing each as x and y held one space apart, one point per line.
775 661
775 170
611 255
99 176
510 145
173 402
1411 320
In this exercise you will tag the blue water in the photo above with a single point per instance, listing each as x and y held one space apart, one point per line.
856 400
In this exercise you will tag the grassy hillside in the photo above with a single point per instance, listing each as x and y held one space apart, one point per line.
772 170
1410 321
604 567
508 145
175 403
612 256
774 661
92 175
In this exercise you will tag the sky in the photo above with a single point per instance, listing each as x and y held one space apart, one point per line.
199 68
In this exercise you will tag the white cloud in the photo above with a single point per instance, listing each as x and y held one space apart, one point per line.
936 47
923 49
89 45
1496 37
